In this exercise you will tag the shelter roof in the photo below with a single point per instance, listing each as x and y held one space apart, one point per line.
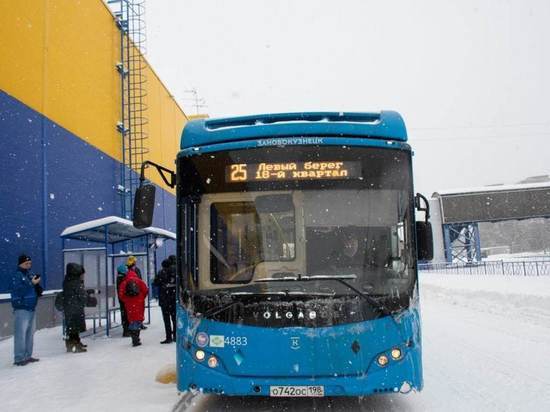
117 229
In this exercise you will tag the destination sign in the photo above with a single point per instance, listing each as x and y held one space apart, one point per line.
257 172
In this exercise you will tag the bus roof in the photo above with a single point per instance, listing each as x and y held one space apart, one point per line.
386 125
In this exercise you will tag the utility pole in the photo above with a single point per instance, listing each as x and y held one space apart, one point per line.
197 101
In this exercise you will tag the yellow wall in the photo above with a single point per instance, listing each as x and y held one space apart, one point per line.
59 57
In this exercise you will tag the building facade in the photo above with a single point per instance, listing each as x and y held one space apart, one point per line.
61 152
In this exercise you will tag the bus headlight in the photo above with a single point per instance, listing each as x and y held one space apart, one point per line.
200 355
382 360
201 339
212 361
396 353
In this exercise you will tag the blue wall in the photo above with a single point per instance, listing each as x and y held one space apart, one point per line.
51 179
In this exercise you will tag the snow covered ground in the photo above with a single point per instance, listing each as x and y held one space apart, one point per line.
112 375
485 339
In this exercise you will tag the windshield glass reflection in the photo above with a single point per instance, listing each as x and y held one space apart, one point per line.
252 237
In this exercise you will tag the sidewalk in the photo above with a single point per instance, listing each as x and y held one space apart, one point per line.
112 375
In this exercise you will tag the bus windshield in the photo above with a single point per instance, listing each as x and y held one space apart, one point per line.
350 232
345 213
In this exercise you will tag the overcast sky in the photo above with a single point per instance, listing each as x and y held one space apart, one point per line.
471 78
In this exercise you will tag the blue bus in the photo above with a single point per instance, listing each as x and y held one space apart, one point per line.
297 255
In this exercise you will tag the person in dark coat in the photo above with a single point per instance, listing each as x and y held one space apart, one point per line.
166 282
74 301
349 254
133 292
121 274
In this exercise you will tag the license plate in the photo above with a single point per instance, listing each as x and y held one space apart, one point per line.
296 391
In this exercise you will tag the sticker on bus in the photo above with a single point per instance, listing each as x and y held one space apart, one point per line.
217 341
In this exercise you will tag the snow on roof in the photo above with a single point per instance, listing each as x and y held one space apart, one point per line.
495 188
161 232
91 224
118 229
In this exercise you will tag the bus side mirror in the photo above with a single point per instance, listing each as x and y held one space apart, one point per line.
424 241
144 205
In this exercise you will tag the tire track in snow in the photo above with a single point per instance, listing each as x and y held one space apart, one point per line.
185 402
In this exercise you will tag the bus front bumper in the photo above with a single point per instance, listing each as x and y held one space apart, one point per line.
402 376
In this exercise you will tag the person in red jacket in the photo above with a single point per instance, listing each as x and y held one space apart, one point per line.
133 291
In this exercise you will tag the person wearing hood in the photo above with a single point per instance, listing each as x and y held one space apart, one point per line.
133 291
74 301
166 282
23 301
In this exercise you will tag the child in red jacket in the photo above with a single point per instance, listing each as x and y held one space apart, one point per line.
132 292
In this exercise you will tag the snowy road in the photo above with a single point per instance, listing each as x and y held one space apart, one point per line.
486 343
485 349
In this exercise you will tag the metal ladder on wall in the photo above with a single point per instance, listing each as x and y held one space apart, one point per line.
133 124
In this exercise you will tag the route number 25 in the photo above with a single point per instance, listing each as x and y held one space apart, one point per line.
238 173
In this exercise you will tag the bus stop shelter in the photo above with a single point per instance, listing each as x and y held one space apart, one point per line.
100 246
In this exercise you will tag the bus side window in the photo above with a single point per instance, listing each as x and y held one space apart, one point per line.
234 242
397 247
397 240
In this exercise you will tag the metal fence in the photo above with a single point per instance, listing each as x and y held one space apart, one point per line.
501 267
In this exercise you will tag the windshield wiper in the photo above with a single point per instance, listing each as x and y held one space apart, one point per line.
339 278
281 292
300 277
